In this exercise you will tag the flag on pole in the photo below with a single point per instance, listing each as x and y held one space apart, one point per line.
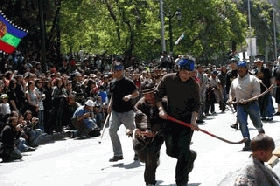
10 35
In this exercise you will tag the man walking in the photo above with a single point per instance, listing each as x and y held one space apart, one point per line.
122 90
244 87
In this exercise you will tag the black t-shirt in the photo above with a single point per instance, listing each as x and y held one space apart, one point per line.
231 75
118 90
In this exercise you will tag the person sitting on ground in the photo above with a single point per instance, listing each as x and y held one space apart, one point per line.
84 121
10 132
34 134
256 173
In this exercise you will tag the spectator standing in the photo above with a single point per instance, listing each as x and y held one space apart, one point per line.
32 98
20 90
47 103
265 102
231 75
5 110
12 97
203 82
41 96
58 102
122 90
244 87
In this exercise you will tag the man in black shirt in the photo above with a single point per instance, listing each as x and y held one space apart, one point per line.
122 91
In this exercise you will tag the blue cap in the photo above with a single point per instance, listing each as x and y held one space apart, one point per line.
118 66
242 64
186 64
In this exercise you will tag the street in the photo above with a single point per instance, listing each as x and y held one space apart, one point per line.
75 162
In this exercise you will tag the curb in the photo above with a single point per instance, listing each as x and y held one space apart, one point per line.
54 137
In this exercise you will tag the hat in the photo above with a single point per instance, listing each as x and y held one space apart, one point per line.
234 59
4 96
186 64
118 66
242 64
214 72
198 66
90 103
258 60
148 87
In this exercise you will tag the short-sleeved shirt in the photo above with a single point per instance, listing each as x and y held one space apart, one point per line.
118 90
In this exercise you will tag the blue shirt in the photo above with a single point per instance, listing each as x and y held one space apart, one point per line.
90 121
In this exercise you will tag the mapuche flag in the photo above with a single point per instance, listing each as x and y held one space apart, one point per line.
10 35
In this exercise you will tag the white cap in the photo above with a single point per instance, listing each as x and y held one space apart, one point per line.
90 103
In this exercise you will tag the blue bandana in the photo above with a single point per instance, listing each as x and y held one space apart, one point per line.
242 64
186 64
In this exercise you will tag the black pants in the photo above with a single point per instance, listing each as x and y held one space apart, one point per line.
150 156
177 142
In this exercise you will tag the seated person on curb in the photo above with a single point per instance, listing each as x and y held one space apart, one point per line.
83 120
10 132
256 173
30 123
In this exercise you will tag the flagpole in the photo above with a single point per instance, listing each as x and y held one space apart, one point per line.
43 32
162 27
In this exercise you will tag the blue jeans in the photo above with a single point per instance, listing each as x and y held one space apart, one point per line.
266 106
252 109
115 121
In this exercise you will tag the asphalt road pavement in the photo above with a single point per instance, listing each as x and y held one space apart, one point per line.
85 162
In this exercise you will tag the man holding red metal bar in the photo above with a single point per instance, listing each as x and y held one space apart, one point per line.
182 93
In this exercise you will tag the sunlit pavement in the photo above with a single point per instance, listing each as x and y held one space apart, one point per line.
75 162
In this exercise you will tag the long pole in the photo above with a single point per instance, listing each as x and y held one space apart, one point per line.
170 35
162 26
43 32
250 31
274 35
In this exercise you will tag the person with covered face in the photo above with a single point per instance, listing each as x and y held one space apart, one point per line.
183 103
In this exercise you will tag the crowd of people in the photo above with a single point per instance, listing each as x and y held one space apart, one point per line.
79 95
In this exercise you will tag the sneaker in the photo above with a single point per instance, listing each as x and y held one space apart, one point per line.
269 119
136 157
115 158
192 159
263 118
261 131
234 126
246 148
199 121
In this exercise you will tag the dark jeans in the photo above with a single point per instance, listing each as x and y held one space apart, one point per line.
150 156
210 102
177 142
